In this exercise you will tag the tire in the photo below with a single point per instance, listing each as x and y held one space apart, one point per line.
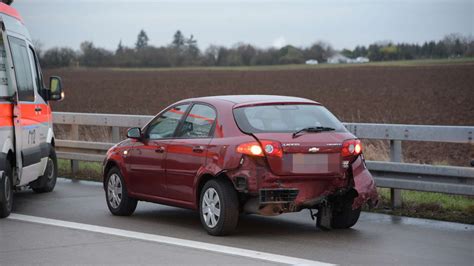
116 194
345 216
6 191
219 207
47 181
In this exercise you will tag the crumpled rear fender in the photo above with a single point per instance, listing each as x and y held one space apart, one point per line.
364 184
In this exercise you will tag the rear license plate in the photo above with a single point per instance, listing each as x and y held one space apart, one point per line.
310 163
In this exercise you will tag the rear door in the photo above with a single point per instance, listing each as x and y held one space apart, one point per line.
146 160
187 151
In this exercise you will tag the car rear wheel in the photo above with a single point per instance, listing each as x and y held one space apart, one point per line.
345 216
6 191
47 181
338 215
116 194
219 209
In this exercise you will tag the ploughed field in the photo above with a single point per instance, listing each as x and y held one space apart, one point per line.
426 94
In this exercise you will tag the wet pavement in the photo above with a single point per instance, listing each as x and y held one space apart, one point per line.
376 239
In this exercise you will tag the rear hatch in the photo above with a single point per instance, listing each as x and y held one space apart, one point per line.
304 149
308 154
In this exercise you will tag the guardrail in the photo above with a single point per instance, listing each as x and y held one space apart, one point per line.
394 175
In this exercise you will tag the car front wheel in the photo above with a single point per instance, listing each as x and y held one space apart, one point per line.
116 194
219 210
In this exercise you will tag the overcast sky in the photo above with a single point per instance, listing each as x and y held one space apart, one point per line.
343 23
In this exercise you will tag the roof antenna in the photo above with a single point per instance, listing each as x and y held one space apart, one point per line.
8 2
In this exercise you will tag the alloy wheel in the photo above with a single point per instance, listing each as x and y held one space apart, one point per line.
211 207
114 191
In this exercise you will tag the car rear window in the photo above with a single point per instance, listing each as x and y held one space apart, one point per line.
284 118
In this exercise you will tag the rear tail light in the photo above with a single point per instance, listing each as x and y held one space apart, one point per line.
250 148
270 148
351 147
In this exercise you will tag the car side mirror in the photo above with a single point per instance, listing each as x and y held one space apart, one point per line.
55 89
134 133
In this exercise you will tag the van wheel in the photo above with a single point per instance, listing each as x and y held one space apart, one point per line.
47 182
6 191
219 207
116 194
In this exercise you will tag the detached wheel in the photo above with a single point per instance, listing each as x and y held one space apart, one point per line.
6 192
219 209
345 217
116 194
47 182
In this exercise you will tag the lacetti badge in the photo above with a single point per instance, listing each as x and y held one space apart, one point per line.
313 149
290 144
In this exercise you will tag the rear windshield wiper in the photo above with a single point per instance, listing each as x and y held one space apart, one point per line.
313 129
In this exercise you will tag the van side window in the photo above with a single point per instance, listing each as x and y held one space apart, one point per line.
21 63
37 74
4 88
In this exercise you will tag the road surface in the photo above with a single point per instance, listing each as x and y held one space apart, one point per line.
79 229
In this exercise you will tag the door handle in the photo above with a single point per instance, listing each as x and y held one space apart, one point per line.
38 109
160 149
198 149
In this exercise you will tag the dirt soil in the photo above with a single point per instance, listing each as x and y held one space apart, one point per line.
429 95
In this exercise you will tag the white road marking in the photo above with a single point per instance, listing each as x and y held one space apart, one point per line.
169 240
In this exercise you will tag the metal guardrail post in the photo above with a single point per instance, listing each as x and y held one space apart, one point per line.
74 135
74 132
395 156
115 134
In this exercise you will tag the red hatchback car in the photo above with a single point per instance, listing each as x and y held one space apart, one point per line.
227 155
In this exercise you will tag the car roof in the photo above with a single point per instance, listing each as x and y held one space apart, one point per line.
242 100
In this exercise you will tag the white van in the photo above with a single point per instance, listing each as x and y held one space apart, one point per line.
27 155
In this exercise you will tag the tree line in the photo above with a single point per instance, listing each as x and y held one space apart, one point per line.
184 51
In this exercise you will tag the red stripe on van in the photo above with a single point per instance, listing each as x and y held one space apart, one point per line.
6 9
29 116
6 113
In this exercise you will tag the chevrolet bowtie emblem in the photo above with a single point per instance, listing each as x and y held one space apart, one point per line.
313 149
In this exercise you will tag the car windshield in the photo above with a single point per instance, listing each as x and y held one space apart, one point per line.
285 118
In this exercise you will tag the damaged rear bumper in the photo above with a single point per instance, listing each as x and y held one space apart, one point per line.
268 194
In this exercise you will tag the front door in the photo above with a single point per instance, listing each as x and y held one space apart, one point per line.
187 152
146 162
25 113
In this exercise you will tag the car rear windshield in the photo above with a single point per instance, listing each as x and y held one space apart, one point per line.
284 118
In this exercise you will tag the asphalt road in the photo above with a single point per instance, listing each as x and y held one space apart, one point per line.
377 239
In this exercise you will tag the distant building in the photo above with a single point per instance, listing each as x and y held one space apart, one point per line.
341 59
312 62
338 59
362 60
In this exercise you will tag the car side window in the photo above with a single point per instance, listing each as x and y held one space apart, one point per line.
199 122
165 124
22 65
